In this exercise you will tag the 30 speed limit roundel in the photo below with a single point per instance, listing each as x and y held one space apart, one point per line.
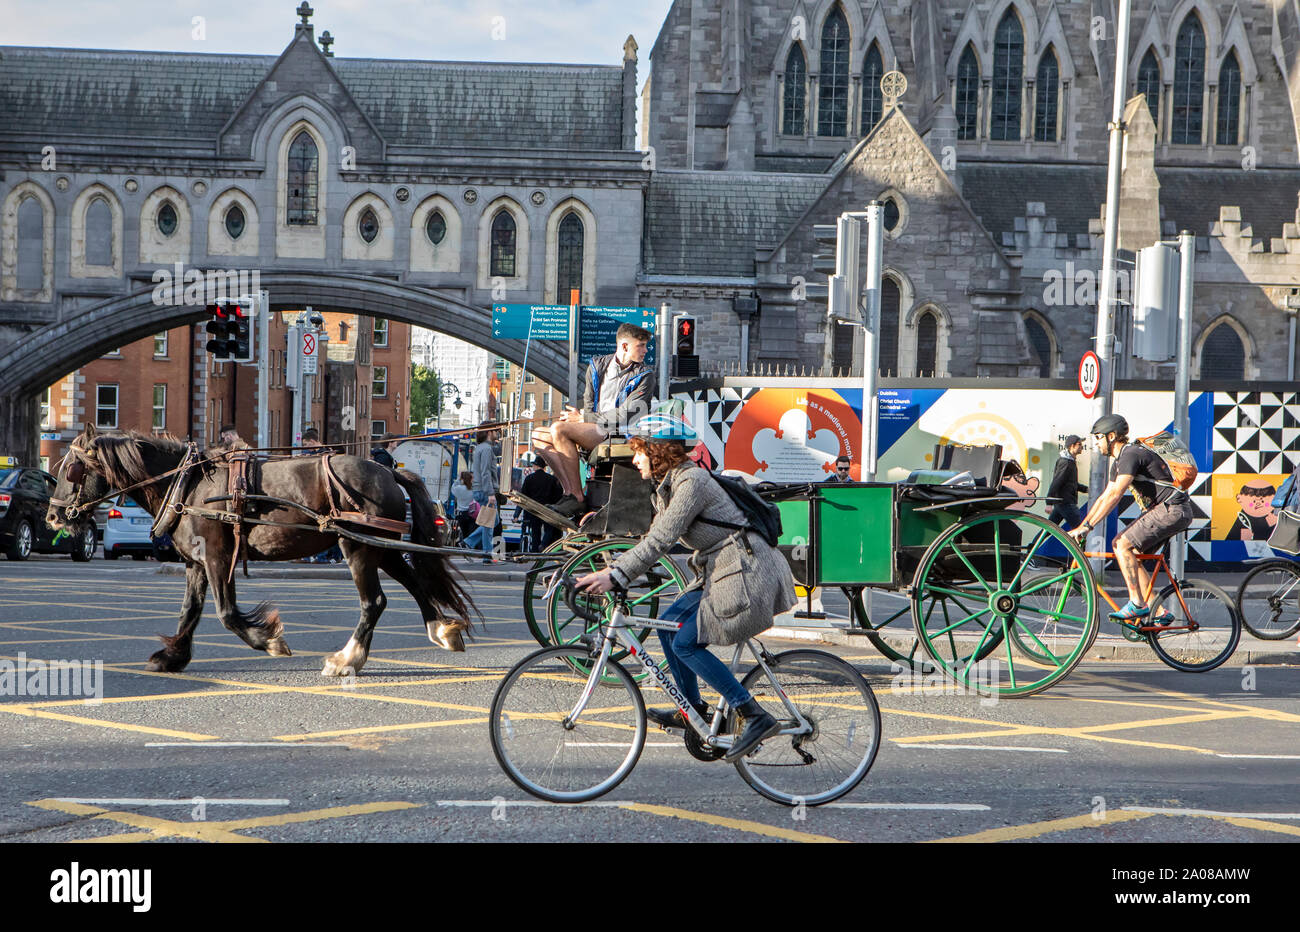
1089 374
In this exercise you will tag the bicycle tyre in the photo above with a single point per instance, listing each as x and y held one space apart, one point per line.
539 630
777 765
1268 600
1216 638
541 756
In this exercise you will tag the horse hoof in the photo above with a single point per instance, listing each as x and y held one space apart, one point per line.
163 662
276 647
446 636
336 668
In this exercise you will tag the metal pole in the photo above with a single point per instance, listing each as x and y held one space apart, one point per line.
1183 371
870 341
665 349
1105 346
263 368
295 347
574 400
1290 355
744 343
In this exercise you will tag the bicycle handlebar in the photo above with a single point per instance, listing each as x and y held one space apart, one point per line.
581 607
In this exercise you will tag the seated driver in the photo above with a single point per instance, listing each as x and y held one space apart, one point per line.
617 391
1166 510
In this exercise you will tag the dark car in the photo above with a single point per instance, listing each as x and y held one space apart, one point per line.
24 501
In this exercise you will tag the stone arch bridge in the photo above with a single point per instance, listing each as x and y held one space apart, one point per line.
38 359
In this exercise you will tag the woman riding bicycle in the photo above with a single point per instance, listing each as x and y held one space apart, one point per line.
692 507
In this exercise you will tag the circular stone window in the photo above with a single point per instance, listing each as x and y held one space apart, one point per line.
893 213
435 227
368 225
167 220
235 221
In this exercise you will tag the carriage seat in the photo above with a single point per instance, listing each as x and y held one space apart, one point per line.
611 448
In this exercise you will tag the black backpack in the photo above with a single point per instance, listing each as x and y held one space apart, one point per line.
761 516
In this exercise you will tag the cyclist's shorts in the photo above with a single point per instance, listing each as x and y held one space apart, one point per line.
1149 532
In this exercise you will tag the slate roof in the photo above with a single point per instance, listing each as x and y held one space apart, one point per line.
710 223
174 94
1190 197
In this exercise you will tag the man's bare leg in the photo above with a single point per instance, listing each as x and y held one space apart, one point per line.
567 436
1135 577
544 444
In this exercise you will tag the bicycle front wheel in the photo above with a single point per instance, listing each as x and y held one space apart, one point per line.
832 759
1205 629
548 755
1269 600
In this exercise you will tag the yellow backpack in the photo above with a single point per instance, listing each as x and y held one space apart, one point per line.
1179 459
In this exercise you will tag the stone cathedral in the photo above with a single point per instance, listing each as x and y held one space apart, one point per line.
767 118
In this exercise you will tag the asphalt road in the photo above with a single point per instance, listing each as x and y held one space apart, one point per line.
242 746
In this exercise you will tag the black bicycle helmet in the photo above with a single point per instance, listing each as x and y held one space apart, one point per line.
1110 423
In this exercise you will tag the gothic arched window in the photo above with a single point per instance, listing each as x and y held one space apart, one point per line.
833 82
31 245
1229 115
1189 82
1148 84
568 272
1222 355
890 299
927 345
1047 91
1041 341
796 69
967 103
99 233
873 98
304 166
503 245
1008 76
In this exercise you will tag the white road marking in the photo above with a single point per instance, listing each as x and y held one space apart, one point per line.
615 744
173 802
1262 756
946 807
1214 812
903 743
607 804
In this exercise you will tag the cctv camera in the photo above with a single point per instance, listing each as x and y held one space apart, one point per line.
316 320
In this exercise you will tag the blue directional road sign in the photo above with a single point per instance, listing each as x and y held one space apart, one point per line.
545 321
597 326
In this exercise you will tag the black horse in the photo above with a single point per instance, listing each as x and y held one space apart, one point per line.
97 462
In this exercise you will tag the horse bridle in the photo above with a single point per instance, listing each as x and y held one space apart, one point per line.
75 473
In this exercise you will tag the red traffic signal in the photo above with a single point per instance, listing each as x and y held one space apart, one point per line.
684 335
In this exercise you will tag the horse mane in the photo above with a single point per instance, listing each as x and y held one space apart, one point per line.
121 458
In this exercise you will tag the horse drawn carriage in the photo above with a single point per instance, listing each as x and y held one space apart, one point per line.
1000 600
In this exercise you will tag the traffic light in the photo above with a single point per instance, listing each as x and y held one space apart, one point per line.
688 363
231 329
221 329
242 340
684 335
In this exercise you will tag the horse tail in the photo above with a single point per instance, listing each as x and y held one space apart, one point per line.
433 572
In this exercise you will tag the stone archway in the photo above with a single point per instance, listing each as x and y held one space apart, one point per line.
47 354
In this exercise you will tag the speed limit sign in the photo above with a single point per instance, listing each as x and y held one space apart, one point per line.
1089 374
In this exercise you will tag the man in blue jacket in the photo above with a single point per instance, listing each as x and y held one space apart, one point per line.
618 390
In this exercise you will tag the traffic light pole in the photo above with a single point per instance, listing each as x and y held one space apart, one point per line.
1183 371
260 308
1105 346
871 344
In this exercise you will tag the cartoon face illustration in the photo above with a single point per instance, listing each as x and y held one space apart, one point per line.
1256 499
1024 486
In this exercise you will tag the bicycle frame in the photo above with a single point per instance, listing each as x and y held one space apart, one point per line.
619 630
1160 566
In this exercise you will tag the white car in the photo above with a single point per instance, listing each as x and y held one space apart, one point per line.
127 532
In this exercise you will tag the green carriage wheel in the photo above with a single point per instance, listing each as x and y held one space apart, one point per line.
913 657
646 595
981 581
538 581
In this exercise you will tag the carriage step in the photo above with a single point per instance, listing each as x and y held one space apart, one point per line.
538 510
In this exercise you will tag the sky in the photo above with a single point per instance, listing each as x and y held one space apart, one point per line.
576 31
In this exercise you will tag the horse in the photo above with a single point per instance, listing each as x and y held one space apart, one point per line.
97 462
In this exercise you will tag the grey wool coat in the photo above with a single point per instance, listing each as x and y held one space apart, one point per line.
744 586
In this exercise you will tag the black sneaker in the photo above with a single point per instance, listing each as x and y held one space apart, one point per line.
568 507
673 718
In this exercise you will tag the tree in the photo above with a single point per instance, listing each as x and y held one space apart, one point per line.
426 396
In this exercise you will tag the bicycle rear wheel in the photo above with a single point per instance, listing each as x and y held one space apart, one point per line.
555 762
1269 600
1206 626
815 768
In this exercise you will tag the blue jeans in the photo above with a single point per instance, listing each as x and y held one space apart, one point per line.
690 661
481 539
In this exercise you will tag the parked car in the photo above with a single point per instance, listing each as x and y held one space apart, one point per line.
127 533
24 502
